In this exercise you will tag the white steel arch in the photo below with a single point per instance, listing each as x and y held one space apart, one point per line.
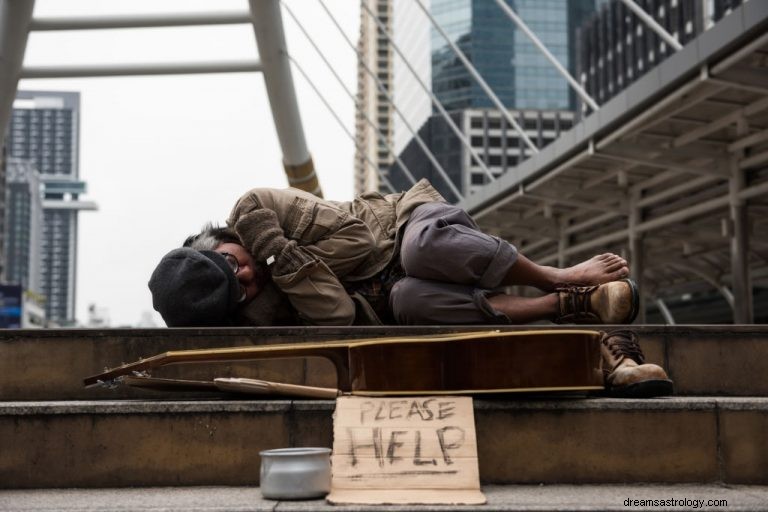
16 22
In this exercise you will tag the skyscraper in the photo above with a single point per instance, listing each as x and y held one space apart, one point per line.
616 47
526 83
410 31
3 227
374 57
536 95
44 129
509 62
24 228
409 28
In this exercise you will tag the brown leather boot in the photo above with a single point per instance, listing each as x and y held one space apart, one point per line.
625 371
609 303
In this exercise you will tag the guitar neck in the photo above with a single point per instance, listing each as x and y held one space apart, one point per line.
337 353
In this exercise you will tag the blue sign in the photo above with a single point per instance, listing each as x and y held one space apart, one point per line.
10 306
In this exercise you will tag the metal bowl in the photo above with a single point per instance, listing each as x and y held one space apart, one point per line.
295 473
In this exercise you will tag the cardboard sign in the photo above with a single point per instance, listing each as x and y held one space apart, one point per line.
407 450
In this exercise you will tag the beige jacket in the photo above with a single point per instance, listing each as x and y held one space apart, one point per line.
345 241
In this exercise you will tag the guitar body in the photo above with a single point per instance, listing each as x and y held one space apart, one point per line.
527 361
465 363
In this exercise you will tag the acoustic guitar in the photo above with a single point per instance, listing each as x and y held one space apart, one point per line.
465 363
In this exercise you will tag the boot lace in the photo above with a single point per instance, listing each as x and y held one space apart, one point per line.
624 342
577 301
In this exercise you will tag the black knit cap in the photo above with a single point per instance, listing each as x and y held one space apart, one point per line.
194 289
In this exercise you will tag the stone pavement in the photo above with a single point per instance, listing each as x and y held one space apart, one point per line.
500 498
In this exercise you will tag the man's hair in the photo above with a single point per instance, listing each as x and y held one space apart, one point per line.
210 237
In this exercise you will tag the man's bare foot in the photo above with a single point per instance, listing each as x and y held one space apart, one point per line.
599 269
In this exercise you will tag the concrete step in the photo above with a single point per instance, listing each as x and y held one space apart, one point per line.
512 498
567 440
50 364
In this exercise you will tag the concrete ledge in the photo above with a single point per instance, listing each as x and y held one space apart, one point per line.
576 440
498 403
50 364
522 498
123 407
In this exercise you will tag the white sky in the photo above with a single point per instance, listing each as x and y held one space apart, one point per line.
163 155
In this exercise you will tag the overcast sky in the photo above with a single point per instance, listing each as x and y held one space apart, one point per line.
163 155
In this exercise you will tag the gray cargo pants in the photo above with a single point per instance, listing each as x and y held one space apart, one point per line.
451 266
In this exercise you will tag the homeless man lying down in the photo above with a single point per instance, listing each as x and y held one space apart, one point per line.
287 257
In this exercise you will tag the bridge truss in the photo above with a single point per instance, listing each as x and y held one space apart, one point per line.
672 173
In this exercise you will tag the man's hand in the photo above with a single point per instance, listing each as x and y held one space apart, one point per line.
262 235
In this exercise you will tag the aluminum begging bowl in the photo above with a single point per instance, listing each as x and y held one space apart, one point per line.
295 473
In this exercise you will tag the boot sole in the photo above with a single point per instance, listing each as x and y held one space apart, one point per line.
635 300
644 389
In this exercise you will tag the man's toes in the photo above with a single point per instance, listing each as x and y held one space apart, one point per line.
615 260
622 261
622 273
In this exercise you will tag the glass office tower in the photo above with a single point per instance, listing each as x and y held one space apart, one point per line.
527 84
512 66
